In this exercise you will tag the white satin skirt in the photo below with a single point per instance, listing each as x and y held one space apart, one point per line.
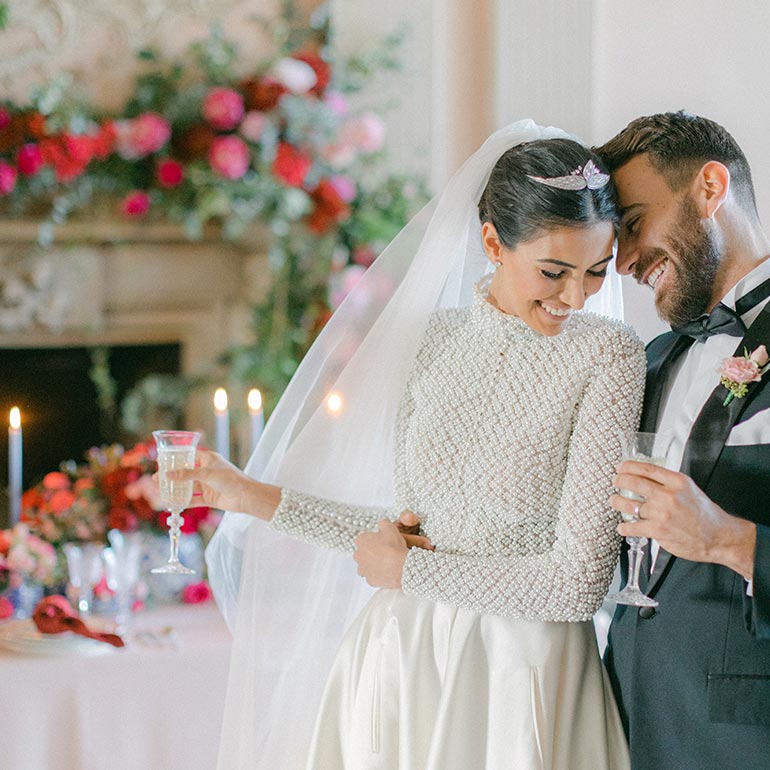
423 686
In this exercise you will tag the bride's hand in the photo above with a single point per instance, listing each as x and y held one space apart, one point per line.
219 484
381 555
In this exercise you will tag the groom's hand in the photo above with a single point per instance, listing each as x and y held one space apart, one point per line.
409 526
685 522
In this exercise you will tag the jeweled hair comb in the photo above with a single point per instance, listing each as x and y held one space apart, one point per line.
583 176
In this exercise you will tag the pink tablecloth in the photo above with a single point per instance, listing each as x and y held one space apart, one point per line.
141 708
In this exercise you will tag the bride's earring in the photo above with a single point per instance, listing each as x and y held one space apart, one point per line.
498 263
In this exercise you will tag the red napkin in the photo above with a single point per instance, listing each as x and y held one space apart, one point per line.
54 614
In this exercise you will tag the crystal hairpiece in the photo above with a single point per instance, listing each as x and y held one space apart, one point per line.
583 176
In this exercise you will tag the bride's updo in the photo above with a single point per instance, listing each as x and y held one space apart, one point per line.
522 209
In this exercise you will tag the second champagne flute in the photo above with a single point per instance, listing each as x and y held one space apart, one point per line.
646 448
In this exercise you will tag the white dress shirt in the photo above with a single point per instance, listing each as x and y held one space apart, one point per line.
694 376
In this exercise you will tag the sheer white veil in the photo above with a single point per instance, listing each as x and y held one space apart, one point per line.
289 603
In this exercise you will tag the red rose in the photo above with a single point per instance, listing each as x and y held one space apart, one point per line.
136 204
6 608
195 593
5 541
320 67
329 207
291 166
104 140
123 519
5 118
170 173
29 159
261 95
193 142
31 499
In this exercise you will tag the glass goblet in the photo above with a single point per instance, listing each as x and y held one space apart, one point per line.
176 451
645 448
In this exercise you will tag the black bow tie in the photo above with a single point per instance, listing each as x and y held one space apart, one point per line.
725 320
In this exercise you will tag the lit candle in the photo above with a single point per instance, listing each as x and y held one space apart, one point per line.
14 465
334 403
256 416
222 424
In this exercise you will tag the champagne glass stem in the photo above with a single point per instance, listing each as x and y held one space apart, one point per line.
635 555
175 521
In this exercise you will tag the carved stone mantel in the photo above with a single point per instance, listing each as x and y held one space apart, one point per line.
140 284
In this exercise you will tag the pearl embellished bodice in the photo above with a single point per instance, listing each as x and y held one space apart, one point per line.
506 442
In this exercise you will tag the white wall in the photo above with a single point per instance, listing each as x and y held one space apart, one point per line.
706 56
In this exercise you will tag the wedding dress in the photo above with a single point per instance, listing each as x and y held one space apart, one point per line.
505 445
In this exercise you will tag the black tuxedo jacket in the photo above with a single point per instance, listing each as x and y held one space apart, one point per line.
692 677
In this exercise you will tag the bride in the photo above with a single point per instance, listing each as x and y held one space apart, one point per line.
481 400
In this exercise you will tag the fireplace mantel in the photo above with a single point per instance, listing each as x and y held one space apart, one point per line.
139 283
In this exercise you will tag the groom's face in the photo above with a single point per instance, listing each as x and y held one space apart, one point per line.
664 243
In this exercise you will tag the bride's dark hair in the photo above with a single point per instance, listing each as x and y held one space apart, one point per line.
521 208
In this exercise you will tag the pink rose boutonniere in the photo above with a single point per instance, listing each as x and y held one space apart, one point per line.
737 372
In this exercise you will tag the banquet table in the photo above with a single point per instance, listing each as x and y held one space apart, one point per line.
156 704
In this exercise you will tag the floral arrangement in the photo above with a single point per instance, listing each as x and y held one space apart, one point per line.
112 490
25 556
735 373
200 143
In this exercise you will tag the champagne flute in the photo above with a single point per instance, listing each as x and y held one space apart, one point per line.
176 450
646 448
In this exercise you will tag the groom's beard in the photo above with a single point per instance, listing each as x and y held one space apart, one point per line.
695 259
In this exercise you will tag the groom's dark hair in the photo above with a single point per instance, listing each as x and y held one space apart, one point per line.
678 144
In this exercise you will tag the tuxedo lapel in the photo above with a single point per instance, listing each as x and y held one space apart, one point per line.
715 421
711 428
662 353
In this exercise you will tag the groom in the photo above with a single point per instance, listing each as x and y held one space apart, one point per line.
692 676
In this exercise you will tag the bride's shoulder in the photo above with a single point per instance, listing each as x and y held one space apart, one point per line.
603 335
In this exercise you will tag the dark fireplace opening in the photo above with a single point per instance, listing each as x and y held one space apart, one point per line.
59 401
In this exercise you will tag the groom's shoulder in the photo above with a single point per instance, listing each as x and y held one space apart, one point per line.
660 345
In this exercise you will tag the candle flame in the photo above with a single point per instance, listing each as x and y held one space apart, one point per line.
15 418
255 400
334 403
220 400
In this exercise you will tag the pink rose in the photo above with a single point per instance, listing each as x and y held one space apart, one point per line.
5 118
341 284
142 136
29 159
136 204
253 125
56 480
760 356
7 178
195 593
223 108
170 173
336 102
344 186
339 155
6 608
366 132
229 157
740 370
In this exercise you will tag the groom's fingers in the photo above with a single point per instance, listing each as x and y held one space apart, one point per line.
650 471
640 485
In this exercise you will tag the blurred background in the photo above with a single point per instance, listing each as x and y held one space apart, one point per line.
189 187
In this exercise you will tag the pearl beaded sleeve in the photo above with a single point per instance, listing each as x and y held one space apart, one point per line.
505 447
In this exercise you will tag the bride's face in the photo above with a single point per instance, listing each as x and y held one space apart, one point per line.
542 281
